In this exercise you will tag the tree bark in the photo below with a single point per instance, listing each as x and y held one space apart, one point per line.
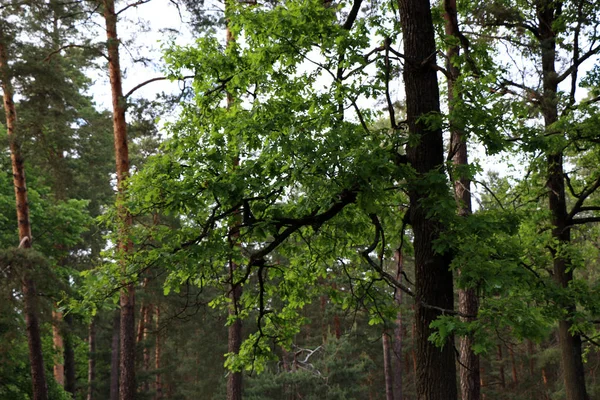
34 342
570 343
114 357
157 355
398 332
501 367
91 359
127 296
436 369
59 347
387 366
468 303
70 375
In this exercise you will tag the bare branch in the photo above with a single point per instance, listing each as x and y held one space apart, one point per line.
137 3
160 78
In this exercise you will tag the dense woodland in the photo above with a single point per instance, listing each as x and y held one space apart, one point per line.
337 200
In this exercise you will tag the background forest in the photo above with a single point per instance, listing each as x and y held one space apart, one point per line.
329 200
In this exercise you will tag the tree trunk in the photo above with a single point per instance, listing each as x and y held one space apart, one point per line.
59 347
36 359
387 366
91 359
234 379
114 357
127 295
468 303
157 355
501 367
70 375
398 333
570 344
436 369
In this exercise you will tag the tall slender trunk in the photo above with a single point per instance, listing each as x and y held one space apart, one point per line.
157 355
570 343
387 366
501 367
398 332
127 296
468 303
58 343
91 359
436 369
513 365
36 359
234 343
70 375
114 356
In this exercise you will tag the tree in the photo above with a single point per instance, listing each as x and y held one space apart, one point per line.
40 389
436 369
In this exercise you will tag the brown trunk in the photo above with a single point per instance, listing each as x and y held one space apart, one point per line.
436 369
387 367
531 359
468 303
114 357
36 360
146 350
127 295
398 333
515 377
570 344
91 359
57 341
70 375
501 366
413 351
157 355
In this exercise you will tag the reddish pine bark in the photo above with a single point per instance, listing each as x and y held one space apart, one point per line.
127 385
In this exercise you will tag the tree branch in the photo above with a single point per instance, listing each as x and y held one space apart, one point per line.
159 78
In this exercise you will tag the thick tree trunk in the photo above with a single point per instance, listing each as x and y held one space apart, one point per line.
468 303
114 357
436 369
570 344
127 297
91 359
38 377
387 366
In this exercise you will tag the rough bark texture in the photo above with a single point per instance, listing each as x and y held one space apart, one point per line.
468 303
127 297
91 359
387 366
114 357
570 344
436 370
38 377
